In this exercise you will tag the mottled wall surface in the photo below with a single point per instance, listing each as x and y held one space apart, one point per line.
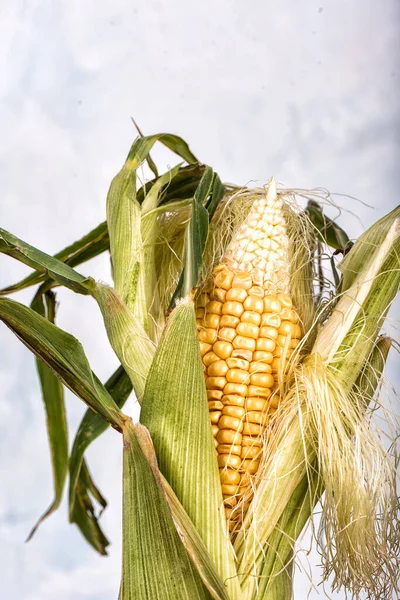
307 92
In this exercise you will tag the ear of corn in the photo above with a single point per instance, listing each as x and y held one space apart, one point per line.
248 330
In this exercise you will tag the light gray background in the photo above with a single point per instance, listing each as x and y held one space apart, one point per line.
305 91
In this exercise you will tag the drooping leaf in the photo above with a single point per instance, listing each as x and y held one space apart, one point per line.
331 233
92 425
175 411
48 265
196 237
91 245
53 399
63 354
155 563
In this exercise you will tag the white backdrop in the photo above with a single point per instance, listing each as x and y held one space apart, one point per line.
306 91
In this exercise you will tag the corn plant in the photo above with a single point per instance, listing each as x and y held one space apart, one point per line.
257 360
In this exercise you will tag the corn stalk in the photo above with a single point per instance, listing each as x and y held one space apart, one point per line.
231 283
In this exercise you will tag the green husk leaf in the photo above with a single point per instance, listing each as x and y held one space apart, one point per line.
48 265
155 563
174 409
274 549
63 354
91 245
92 425
371 279
53 399
127 337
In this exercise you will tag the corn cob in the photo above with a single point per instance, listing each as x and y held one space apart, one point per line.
247 329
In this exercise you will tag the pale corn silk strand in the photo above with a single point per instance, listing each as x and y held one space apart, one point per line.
248 330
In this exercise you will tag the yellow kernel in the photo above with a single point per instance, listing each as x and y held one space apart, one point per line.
214 416
276 365
238 363
251 317
279 351
285 300
256 390
251 441
214 440
215 383
223 279
209 358
274 401
244 343
229 476
215 405
221 350
263 356
233 400
208 335
214 307
229 460
242 281
255 403
237 376
232 308
228 449
233 411
267 331
288 314
272 304
255 416
242 353
200 313
229 321
250 452
229 490
263 379
229 500
204 348
214 394
215 429
227 422
260 367
229 436
219 368
248 330
235 388
271 320
265 344
246 479
211 320
236 295
256 290
254 303
202 300
227 333
199 324
251 429
218 294
250 466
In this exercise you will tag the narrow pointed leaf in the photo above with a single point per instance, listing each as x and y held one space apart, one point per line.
53 399
48 265
92 425
63 354
91 245
155 563
174 409
218 191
